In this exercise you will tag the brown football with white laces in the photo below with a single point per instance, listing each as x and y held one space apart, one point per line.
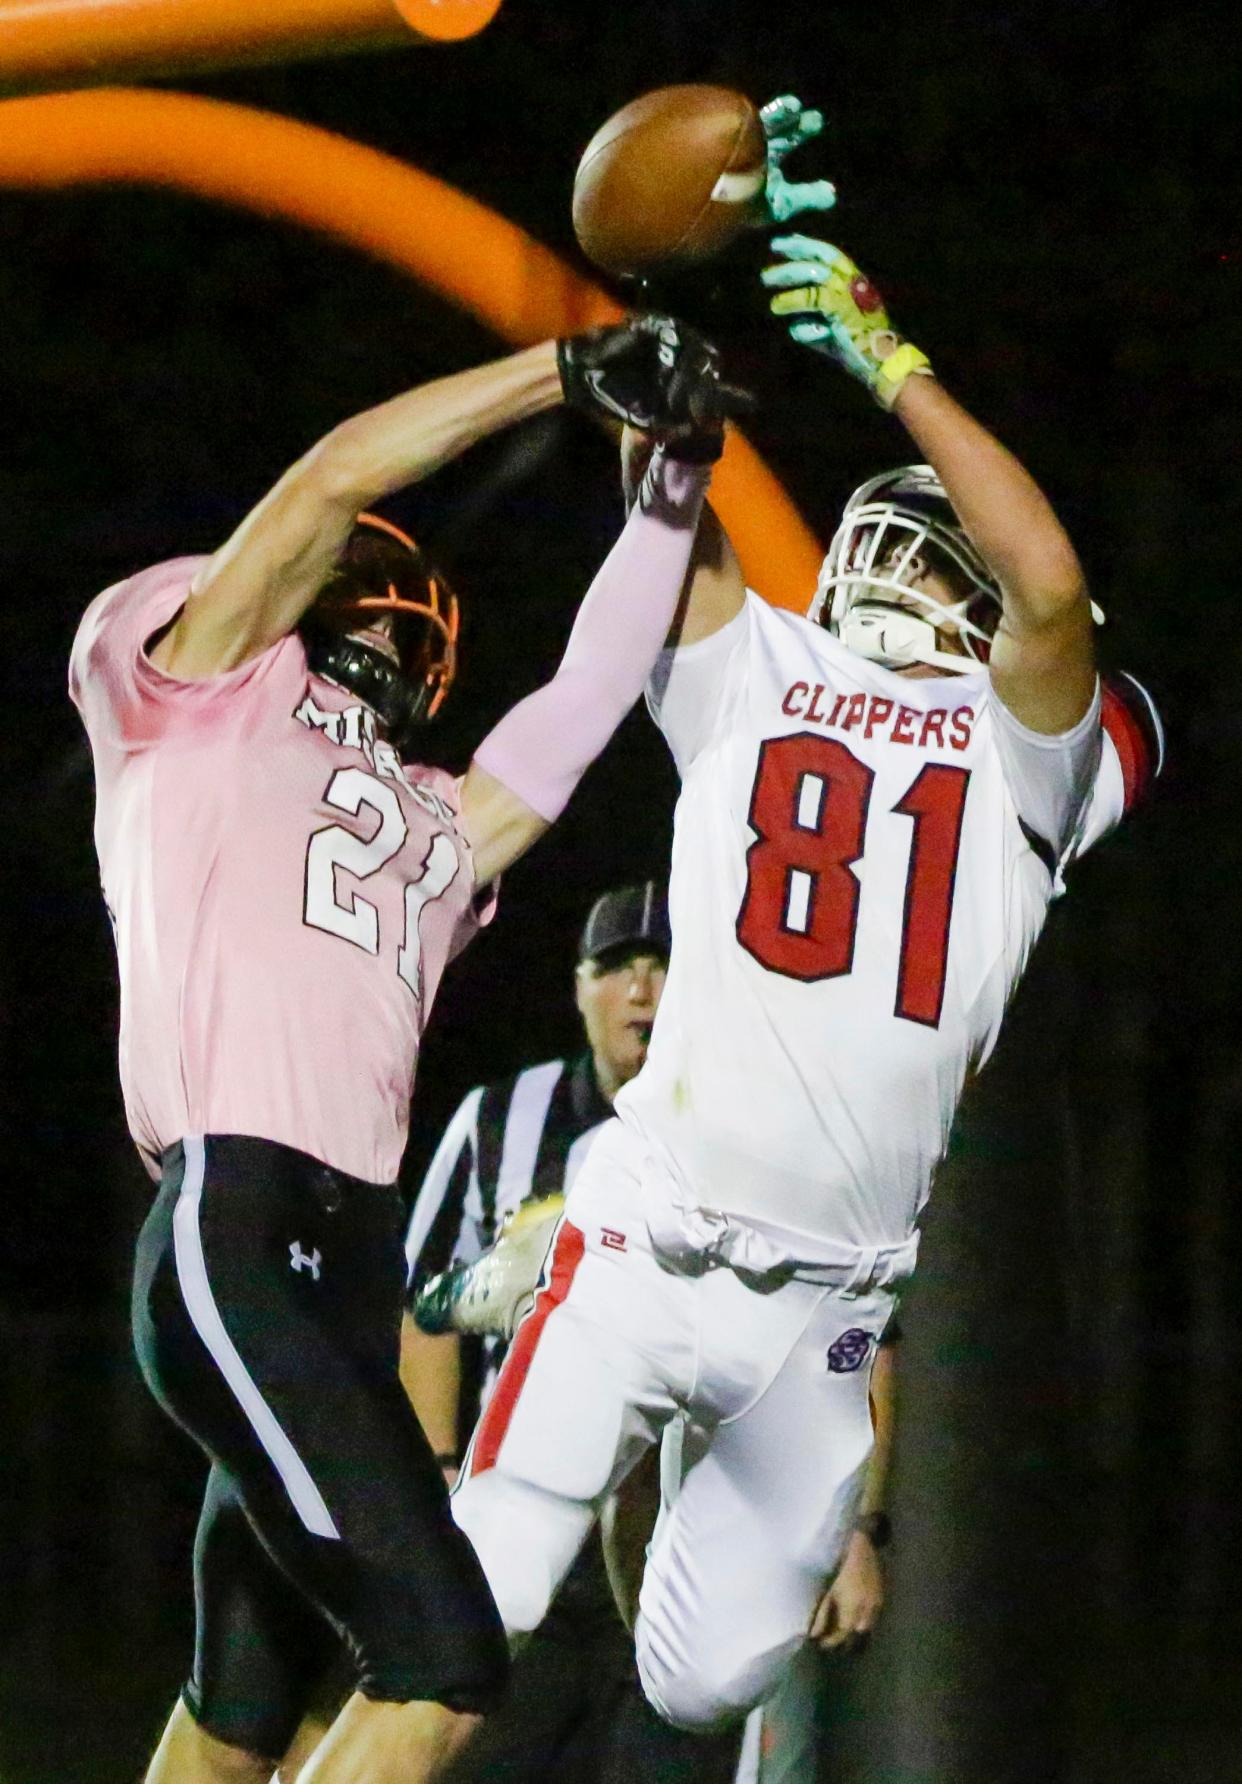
670 180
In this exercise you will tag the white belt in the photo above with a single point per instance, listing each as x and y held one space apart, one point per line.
691 1238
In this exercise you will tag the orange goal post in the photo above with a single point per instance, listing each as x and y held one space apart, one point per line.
66 43
447 241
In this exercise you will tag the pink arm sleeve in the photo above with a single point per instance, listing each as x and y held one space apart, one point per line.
543 746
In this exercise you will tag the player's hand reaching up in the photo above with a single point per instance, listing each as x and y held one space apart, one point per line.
655 374
837 311
850 1608
787 124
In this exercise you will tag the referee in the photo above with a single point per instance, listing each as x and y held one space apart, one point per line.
575 1710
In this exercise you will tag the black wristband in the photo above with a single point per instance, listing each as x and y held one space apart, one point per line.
877 1527
448 1459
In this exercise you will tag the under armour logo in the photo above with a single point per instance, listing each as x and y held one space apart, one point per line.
300 1260
849 1351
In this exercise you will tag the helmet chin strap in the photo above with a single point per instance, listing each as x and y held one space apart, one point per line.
895 637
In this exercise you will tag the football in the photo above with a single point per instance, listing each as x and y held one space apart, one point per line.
669 180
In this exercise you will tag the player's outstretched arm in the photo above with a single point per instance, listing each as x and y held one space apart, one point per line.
1042 662
715 589
260 583
526 768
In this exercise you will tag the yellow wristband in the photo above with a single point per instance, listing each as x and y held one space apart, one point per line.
893 372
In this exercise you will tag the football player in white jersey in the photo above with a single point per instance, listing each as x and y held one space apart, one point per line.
877 802
286 889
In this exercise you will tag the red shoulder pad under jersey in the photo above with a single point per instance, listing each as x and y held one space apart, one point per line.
1131 758
1132 725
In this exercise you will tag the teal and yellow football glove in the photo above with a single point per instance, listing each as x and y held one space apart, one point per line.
787 124
840 313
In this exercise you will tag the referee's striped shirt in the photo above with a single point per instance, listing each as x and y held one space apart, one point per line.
525 1136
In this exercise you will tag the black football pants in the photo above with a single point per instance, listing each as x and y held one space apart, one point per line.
266 1310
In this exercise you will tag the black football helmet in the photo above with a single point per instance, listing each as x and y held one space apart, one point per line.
385 628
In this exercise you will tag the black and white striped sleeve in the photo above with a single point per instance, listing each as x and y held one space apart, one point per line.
437 1234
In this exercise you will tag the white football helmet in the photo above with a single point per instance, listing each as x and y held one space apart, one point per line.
863 595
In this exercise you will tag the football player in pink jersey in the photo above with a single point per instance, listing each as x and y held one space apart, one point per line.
286 890
877 805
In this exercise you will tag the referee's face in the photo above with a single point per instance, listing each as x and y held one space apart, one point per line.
617 994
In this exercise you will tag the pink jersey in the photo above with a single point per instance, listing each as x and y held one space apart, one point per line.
285 896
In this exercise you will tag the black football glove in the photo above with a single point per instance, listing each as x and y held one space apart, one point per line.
655 374
699 401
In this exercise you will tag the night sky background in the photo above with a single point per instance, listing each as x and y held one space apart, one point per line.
1049 197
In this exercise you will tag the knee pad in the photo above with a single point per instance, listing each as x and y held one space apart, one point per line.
701 1695
525 1540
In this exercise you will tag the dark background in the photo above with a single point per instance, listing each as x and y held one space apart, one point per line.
1049 197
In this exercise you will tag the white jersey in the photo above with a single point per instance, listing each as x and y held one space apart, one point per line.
862 863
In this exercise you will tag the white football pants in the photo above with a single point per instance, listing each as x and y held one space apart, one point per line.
773 1380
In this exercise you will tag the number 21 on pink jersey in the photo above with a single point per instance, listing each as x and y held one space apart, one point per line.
357 920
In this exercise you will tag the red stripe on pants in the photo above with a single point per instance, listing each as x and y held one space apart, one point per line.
570 1245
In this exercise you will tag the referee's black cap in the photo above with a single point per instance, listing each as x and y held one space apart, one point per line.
625 916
